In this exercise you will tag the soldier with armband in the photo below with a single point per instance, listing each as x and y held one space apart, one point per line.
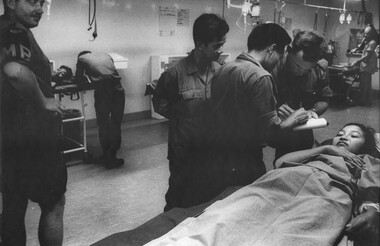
31 163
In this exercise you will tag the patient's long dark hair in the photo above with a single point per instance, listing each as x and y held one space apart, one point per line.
369 146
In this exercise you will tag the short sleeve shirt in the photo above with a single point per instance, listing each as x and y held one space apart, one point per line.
18 44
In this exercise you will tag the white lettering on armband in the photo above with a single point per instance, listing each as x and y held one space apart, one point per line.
24 52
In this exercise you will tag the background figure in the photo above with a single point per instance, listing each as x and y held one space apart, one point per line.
180 96
63 73
242 110
32 166
302 81
367 64
109 97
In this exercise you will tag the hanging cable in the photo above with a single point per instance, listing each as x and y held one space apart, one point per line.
325 25
92 20
360 19
275 13
315 26
224 6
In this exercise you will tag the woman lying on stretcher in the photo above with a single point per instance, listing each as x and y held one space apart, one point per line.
308 200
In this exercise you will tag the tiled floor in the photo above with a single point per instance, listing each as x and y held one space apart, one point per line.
101 202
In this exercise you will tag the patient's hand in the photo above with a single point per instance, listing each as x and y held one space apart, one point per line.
348 156
363 225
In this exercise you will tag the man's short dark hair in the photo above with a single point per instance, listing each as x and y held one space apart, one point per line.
312 44
83 52
208 28
69 71
264 35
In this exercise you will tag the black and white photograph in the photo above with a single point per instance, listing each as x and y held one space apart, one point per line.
189 122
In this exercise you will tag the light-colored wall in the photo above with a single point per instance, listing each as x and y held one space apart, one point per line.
130 28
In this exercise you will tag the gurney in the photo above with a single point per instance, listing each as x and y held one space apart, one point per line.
160 224
165 222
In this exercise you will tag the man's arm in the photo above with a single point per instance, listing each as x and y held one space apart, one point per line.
166 92
79 73
263 100
22 79
320 107
323 90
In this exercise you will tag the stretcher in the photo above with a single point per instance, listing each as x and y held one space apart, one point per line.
165 222
75 92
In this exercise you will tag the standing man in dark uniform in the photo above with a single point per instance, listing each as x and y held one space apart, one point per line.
109 101
31 161
180 96
302 82
243 111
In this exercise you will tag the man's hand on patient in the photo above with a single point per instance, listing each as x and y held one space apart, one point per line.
363 225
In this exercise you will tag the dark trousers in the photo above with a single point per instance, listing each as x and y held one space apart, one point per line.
31 169
109 107
365 87
177 184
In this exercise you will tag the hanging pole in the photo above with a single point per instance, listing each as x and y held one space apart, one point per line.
318 6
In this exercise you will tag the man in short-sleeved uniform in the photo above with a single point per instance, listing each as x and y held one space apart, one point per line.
243 110
180 96
31 161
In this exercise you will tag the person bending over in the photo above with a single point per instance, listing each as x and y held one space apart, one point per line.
109 96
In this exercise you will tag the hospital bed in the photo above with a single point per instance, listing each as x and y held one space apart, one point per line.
164 222
160 224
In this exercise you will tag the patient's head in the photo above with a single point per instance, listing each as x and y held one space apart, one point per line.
356 138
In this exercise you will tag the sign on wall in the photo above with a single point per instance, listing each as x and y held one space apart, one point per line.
183 17
167 20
